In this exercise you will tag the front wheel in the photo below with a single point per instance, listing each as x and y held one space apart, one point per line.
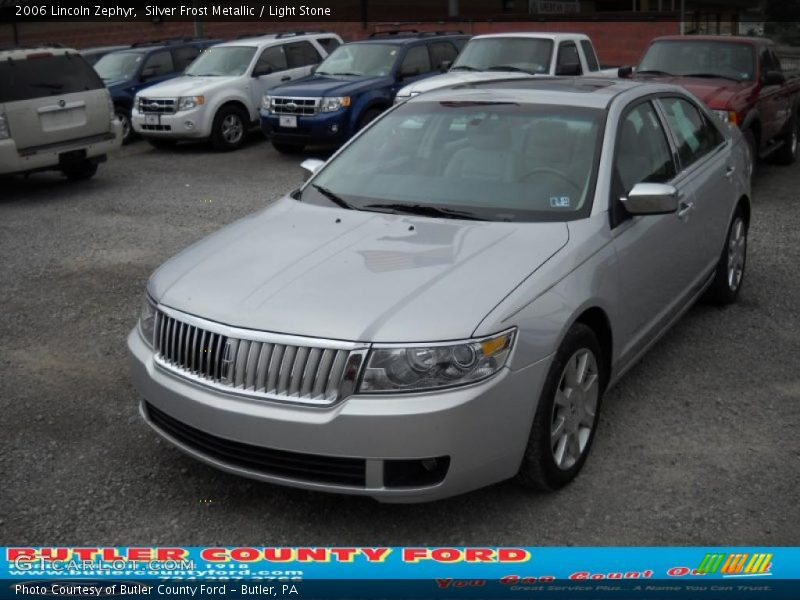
229 129
368 117
125 118
729 274
567 415
787 153
752 147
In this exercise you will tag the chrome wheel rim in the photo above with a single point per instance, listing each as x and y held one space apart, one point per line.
574 408
737 251
126 125
232 129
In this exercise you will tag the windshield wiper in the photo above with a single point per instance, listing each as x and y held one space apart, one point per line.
348 74
510 68
654 72
331 196
711 75
464 68
424 210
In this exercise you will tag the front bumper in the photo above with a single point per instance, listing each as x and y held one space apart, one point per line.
480 431
47 157
191 124
327 129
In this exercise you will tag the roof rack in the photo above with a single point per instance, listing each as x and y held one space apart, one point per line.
168 41
442 32
283 34
394 32
32 46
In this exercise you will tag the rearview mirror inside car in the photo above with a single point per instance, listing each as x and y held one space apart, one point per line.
312 165
651 199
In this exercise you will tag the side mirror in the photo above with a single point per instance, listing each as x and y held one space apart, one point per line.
265 70
312 165
314 69
445 65
651 199
624 72
774 78
569 69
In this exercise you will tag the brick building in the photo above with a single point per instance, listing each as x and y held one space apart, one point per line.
620 29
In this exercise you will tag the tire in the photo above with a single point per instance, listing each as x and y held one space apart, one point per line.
367 118
285 148
161 143
81 171
124 116
752 144
729 273
787 153
561 406
229 130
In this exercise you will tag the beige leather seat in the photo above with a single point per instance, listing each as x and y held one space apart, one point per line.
488 156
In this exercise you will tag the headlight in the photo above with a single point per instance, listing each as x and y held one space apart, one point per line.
147 320
266 102
417 368
5 133
189 102
727 116
334 104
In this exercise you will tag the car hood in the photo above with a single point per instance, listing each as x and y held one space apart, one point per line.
188 86
323 85
353 275
716 92
456 77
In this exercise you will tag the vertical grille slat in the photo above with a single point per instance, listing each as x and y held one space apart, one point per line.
300 373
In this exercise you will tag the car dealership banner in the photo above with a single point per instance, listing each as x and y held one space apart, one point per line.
392 572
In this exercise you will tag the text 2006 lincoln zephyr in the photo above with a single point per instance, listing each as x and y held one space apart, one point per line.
443 303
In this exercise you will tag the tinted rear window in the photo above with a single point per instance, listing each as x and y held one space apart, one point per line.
48 76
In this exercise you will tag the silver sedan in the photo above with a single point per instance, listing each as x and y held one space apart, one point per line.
442 305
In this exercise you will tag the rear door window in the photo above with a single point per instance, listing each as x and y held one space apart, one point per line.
183 57
158 63
591 57
301 54
417 61
442 52
46 76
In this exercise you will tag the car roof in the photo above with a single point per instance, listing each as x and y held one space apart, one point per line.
411 38
713 38
587 92
268 39
22 52
556 37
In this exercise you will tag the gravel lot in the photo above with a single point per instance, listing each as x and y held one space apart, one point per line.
698 445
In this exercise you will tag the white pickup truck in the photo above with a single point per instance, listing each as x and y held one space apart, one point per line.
504 55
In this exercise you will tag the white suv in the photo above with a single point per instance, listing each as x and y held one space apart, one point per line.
219 94
55 113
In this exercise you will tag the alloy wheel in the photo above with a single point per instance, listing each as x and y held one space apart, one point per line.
737 251
574 408
232 129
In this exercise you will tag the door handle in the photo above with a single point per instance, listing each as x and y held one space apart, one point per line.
730 171
287 78
684 208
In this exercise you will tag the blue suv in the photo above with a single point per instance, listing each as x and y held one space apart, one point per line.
127 71
352 86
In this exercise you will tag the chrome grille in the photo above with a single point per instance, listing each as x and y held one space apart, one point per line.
270 369
295 106
162 106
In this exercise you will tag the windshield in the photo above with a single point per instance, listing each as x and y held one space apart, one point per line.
730 60
375 60
494 161
224 61
531 55
118 66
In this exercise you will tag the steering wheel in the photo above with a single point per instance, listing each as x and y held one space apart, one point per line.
552 171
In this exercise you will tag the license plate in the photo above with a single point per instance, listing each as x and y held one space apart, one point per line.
152 119
288 121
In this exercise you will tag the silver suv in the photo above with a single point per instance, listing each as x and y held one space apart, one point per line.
55 113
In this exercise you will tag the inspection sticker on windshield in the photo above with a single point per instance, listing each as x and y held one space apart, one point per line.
559 201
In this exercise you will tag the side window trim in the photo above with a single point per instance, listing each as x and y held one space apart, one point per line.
684 171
